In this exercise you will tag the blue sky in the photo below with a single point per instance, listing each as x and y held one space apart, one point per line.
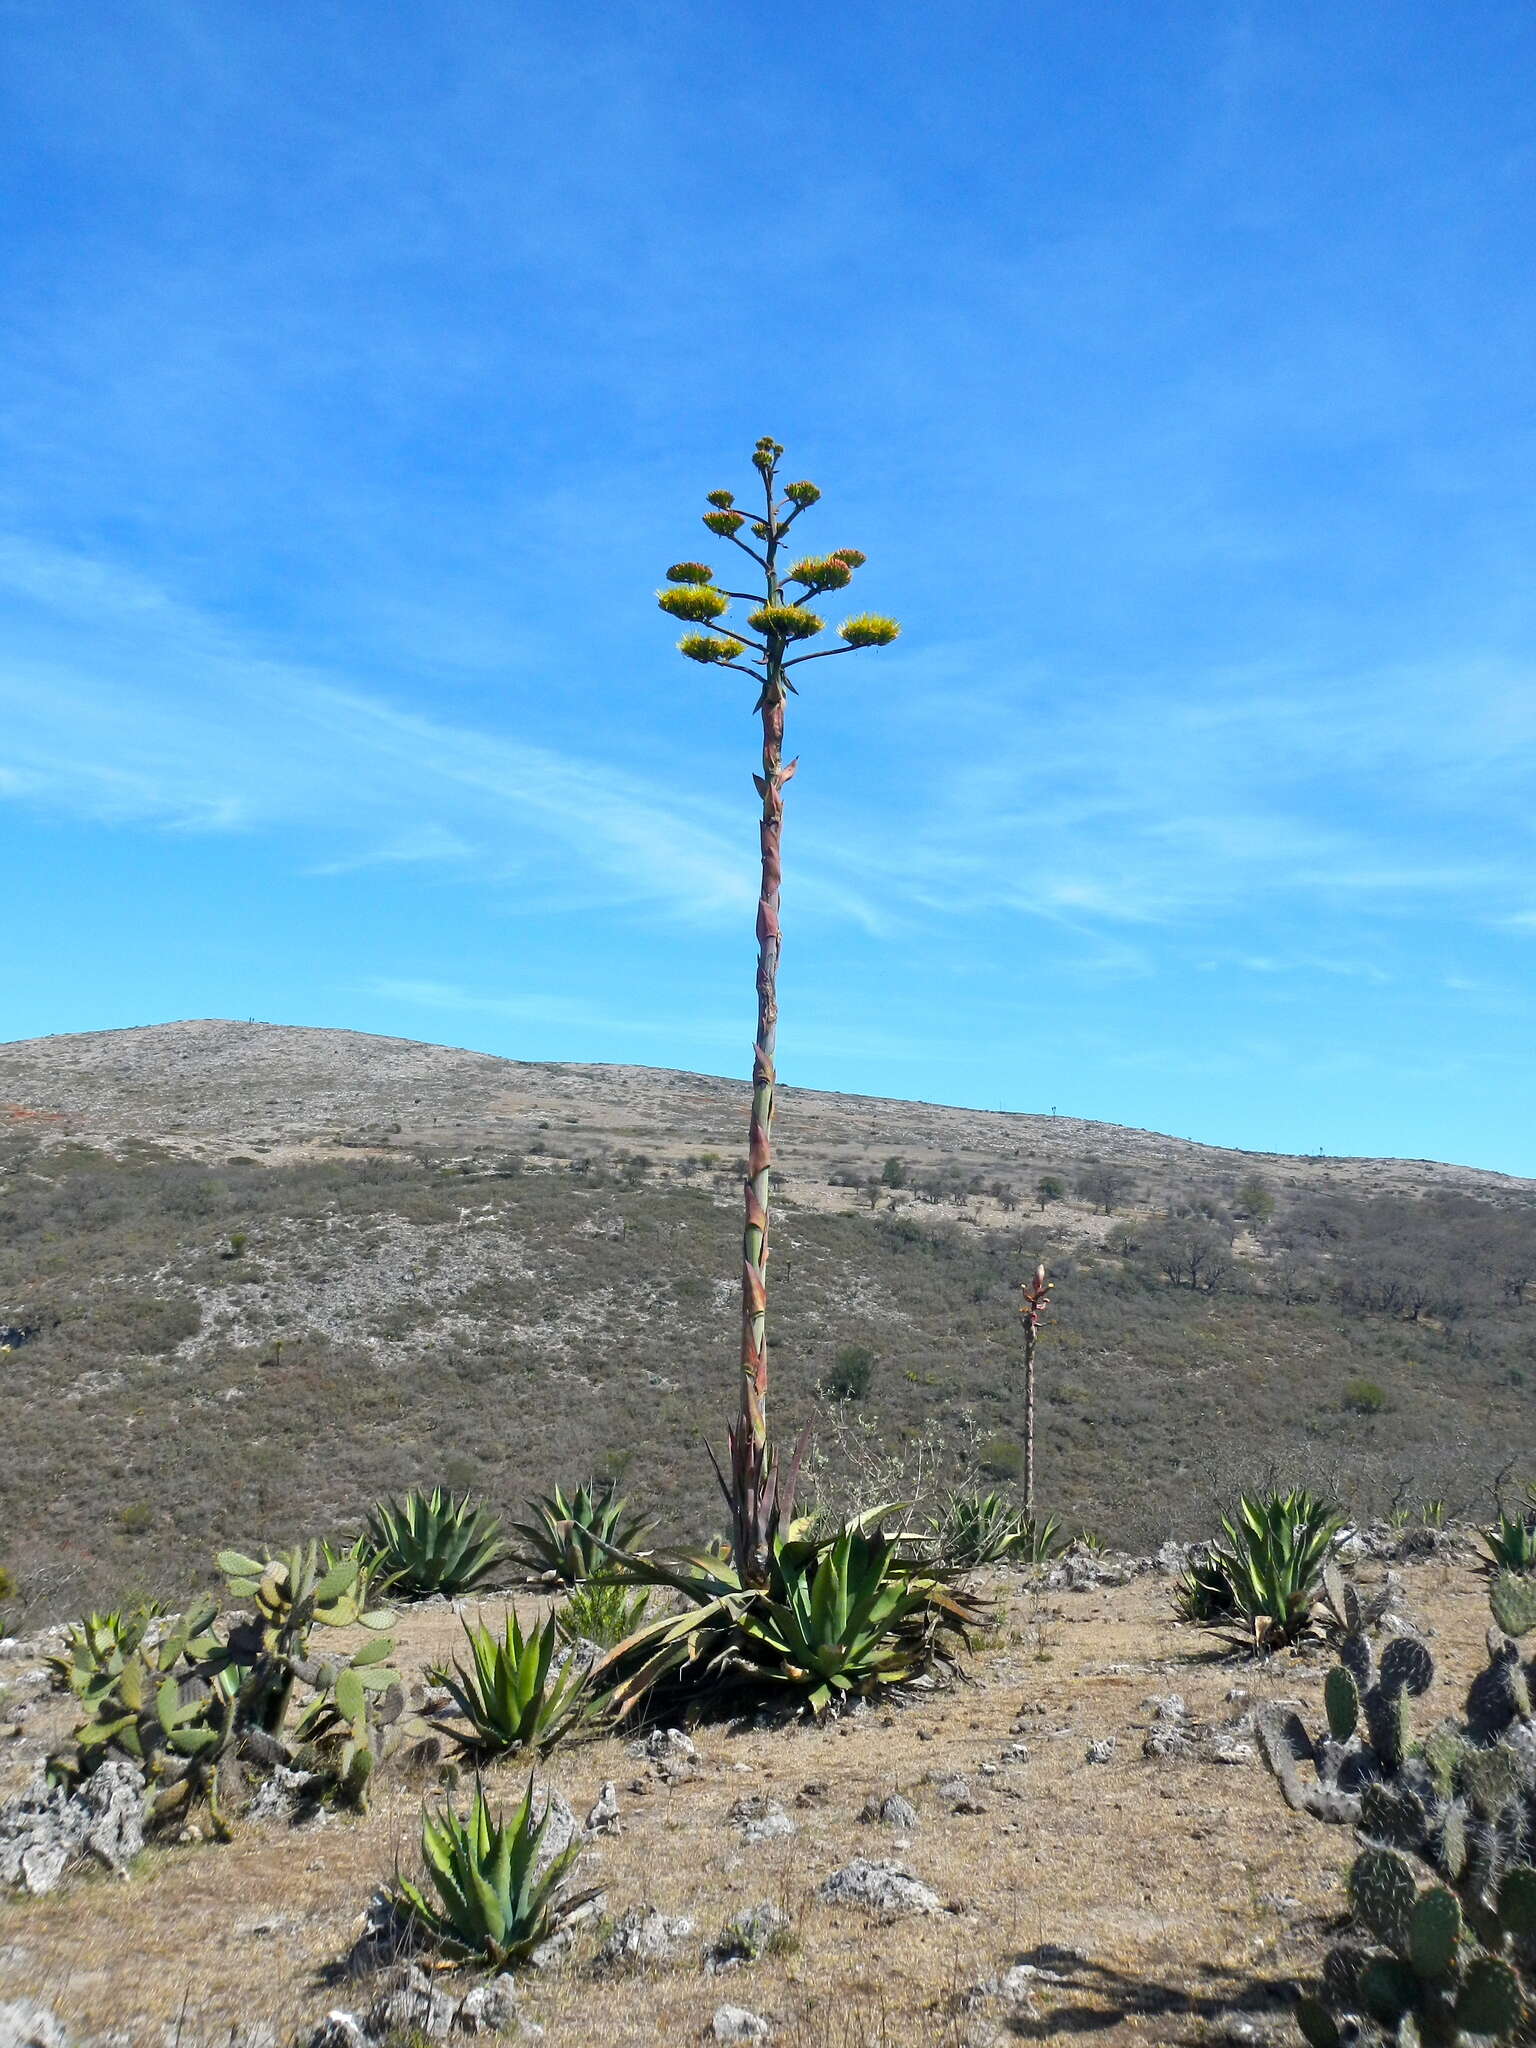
362 367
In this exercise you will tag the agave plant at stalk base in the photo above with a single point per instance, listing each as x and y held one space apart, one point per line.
838 1617
492 1901
512 1696
1263 1575
570 1540
431 1543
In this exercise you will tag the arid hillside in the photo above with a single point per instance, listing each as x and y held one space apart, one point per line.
252 1277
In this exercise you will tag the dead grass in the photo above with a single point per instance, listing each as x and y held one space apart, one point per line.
1178 1895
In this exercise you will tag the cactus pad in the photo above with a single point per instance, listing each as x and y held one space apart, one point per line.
1513 1600
1407 1666
1490 2001
1434 1933
1517 1901
1341 1698
1382 1888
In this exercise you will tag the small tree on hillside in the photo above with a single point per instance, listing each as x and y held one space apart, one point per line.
1104 1186
1050 1187
781 620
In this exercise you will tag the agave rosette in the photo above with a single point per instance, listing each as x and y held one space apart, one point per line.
510 1694
490 1899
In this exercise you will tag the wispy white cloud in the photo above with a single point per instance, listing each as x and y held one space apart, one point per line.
1134 809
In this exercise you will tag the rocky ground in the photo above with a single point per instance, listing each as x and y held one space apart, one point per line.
1077 1839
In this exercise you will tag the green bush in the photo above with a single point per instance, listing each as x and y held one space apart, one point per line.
602 1611
1364 1397
850 1373
1001 1458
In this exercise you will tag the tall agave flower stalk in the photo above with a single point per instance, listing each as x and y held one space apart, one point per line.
1036 1301
780 620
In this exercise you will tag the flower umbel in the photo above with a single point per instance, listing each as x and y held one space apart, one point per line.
694 601
705 647
869 629
789 621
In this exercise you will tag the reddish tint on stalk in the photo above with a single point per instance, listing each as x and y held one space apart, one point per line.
1033 1308
780 619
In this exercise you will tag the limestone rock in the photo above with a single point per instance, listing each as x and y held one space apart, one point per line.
735 2023
888 1889
747 1937
760 1819
26 2024
892 1811
49 1827
642 1936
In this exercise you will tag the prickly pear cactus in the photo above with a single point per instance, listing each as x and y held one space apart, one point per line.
200 1710
1443 1892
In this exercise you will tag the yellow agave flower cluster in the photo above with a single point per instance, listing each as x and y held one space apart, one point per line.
691 596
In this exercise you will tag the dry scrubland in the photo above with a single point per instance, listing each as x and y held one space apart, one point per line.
252 1278
1160 1899
503 1275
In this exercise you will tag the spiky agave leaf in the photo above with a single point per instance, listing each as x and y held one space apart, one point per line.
1511 1544
973 1529
511 1696
492 1902
433 1543
1270 1560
